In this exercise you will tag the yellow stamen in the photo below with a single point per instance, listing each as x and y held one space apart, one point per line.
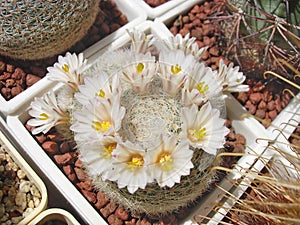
44 116
202 87
101 126
165 161
108 150
175 69
65 68
197 134
135 162
140 67
101 93
238 80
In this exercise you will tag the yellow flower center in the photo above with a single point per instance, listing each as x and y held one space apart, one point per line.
140 67
44 116
165 161
197 134
102 126
135 162
65 68
108 150
202 87
175 69
238 80
101 93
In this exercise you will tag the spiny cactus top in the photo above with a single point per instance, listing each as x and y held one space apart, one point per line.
40 29
147 126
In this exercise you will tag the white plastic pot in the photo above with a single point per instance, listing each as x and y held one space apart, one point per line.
54 214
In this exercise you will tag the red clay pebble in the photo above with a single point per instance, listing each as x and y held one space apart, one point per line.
240 139
108 209
18 74
273 114
155 3
78 163
91 196
55 136
81 174
31 79
121 213
85 185
6 92
131 222
50 147
73 178
40 138
10 83
68 169
16 90
262 105
114 220
260 113
65 158
102 200
144 221
255 98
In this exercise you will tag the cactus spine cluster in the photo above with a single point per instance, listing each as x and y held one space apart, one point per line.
262 33
36 29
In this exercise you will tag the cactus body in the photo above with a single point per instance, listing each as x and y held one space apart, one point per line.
264 32
40 29
155 201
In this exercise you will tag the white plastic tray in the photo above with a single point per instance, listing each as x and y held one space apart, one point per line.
30 174
135 16
54 214
154 12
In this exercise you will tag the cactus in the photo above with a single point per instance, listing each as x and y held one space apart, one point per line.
148 124
39 29
259 33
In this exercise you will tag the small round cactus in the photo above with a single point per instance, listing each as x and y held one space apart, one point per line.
36 29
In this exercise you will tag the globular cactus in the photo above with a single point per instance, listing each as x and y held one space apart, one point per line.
262 33
39 29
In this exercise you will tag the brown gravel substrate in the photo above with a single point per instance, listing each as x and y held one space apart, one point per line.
264 104
64 155
18 75
205 30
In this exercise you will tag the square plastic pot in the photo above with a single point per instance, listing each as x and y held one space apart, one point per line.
9 148
54 215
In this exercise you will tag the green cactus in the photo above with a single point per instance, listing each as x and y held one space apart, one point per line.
40 29
261 32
